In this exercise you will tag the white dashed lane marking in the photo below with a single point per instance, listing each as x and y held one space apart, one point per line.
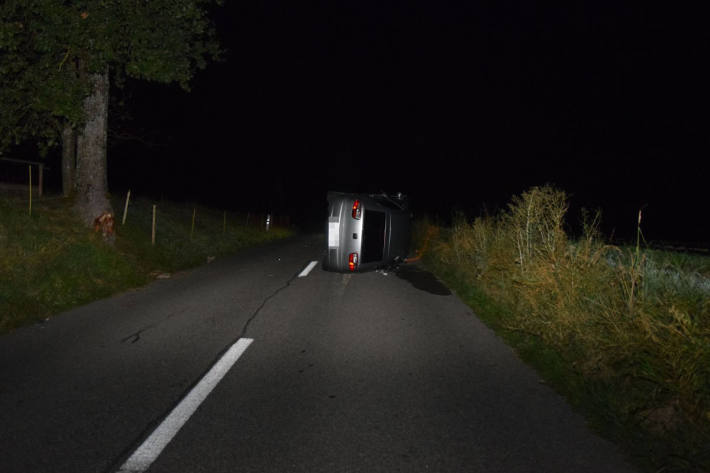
308 269
151 448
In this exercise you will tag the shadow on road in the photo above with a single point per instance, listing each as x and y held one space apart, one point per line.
422 280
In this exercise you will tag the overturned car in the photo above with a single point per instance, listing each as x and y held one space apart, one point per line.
366 231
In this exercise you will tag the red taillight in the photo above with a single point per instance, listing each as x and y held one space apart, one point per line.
357 210
352 261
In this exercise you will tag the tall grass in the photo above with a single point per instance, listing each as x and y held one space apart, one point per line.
629 327
49 262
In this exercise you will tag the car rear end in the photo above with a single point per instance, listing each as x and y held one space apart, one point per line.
345 212
364 232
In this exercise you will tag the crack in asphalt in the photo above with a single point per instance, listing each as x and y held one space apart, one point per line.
136 336
115 464
263 304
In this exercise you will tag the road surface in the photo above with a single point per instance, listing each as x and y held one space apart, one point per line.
327 372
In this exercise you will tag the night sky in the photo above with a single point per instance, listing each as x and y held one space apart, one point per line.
460 105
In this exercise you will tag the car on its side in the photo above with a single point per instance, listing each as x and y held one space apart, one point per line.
366 231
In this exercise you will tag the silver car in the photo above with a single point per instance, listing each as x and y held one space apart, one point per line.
366 231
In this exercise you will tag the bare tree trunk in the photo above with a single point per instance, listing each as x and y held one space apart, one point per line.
91 170
68 159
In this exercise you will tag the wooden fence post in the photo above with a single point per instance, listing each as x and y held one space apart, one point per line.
125 209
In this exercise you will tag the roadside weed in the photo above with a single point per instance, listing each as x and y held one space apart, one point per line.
630 327
50 262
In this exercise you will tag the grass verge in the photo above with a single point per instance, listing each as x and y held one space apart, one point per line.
49 262
622 332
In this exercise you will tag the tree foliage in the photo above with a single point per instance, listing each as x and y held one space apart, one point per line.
50 48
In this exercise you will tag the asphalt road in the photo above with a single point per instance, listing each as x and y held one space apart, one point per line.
373 372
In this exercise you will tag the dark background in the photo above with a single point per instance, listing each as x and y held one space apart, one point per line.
460 105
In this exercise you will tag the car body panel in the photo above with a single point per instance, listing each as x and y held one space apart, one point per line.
379 237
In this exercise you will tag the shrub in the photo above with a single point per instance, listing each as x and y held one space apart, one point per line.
628 322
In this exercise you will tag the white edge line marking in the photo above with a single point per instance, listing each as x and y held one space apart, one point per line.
150 449
308 269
